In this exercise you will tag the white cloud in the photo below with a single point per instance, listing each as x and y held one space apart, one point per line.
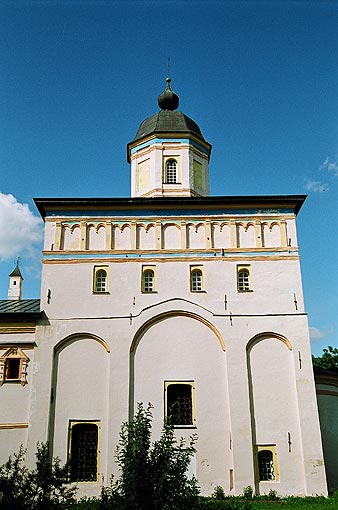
316 186
20 230
317 334
331 166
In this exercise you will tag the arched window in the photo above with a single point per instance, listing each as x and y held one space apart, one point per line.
171 172
100 281
196 280
83 451
243 280
148 280
266 465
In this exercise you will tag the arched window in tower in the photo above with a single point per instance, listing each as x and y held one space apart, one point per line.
148 279
196 279
243 279
100 280
171 171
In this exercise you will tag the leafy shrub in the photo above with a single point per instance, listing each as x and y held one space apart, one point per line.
153 476
218 493
248 492
43 488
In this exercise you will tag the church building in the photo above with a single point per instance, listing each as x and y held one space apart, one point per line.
189 301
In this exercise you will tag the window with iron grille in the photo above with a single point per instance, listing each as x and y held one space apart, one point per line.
179 403
171 172
83 452
266 465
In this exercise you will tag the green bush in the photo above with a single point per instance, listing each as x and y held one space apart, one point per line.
43 488
153 476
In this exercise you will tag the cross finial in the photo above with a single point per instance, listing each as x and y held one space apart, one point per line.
18 261
169 70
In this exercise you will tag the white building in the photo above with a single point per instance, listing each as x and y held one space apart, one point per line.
190 302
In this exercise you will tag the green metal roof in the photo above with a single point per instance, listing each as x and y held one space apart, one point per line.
168 122
20 306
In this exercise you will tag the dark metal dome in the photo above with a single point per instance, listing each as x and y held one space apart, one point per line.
168 100
168 122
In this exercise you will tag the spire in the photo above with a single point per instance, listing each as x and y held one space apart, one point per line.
168 100
15 283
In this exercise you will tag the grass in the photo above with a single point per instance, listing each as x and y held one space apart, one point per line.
240 503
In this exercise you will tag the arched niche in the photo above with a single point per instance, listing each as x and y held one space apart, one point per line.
274 410
71 237
171 236
221 235
271 235
196 236
96 237
178 347
246 235
80 382
146 237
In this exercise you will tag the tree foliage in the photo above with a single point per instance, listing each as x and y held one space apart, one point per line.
153 475
328 360
43 488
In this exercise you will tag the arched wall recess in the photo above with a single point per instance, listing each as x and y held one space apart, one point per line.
79 336
172 313
266 335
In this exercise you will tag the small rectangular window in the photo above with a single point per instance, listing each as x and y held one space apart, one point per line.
13 366
180 403
83 451
12 369
243 278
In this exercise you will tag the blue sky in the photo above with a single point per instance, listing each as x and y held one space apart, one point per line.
260 78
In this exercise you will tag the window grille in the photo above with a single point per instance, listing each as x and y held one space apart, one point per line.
83 453
179 404
265 465
171 172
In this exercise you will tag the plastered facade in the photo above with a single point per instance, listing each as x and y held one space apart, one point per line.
246 354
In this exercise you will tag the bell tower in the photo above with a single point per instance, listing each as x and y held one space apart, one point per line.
169 155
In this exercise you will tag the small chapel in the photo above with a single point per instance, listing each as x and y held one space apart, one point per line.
171 296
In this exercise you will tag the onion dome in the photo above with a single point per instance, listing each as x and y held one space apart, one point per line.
167 120
168 100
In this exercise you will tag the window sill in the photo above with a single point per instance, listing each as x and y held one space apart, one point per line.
244 291
185 426
99 293
148 292
198 291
